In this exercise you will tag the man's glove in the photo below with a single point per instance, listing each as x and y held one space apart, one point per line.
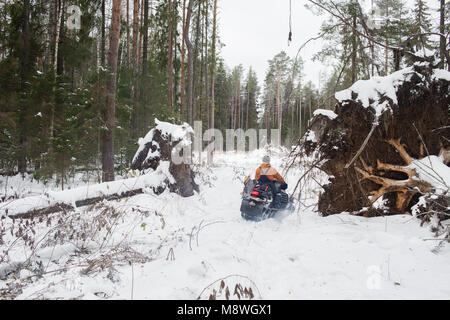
284 186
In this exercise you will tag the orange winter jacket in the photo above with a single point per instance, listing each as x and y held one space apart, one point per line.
267 170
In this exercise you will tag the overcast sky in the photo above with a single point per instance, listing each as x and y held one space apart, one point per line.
254 31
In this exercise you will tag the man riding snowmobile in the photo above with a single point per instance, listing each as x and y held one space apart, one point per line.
260 203
267 174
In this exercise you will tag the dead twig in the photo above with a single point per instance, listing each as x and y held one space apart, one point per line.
363 146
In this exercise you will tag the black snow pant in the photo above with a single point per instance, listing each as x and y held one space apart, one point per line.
276 196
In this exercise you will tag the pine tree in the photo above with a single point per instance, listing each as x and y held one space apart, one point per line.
394 29
421 26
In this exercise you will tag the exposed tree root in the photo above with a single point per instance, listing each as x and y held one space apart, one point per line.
405 189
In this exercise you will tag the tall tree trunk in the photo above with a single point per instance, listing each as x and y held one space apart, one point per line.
109 116
310 106
55 67
135 35
4 46
248 105
292 113
236 109
61 35
213 69
103 44
53 41
372 53
145 40
442 31
190 61
140 37
354 49
128 35
206 65
25 65
239 106
182 90
196 86
170 57
175 52
279 106
300 107
143 92
397 59
386 51
372 47
57 35
386 59
133 126
267 119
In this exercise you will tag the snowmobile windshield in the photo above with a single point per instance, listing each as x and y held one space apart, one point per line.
249 186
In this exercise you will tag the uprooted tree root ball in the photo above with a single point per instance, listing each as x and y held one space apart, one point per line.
386 146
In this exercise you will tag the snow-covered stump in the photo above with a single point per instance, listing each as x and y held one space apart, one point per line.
159 146
386 146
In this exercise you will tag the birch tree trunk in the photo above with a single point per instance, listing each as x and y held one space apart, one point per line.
57 29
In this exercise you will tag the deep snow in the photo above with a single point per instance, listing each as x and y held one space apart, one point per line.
299 256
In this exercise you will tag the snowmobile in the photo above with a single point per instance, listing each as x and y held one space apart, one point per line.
257 201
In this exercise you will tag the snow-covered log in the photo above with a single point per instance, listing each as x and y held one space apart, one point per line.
386 145
55 201
153 159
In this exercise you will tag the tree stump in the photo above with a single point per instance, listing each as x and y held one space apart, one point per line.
158 146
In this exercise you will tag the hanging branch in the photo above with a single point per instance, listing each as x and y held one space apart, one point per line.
294 69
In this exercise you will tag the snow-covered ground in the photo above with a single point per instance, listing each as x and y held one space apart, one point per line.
181 248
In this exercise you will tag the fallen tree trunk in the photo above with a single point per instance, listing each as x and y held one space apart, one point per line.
45 211
78 204
91 201
157 171
55 201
